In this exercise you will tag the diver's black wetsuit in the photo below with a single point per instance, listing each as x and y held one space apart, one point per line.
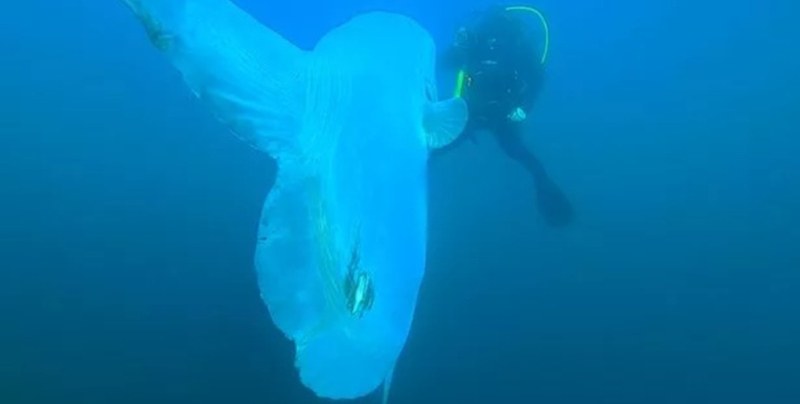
502 64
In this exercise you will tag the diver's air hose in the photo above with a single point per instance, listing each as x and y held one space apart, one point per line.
461 77
544 26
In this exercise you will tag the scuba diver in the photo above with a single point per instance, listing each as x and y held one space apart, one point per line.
500 73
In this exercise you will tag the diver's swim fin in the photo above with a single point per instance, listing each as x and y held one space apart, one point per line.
552 202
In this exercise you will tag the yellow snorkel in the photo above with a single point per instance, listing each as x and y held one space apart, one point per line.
461 77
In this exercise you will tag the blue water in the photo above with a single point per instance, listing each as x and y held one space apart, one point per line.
128 218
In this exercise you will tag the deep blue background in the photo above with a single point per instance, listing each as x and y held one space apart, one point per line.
128 214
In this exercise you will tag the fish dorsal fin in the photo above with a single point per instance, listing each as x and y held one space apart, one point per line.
444 121
252 78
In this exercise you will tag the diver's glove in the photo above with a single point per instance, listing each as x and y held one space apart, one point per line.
518 115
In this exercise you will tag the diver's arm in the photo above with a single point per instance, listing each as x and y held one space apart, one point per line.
452 58
456 55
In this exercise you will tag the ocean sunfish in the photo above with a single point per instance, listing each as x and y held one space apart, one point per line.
342 240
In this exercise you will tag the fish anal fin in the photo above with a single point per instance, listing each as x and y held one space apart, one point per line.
387 386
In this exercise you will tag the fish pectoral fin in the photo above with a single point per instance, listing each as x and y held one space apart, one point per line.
444 121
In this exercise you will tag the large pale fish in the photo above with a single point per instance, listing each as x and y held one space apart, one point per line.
342 240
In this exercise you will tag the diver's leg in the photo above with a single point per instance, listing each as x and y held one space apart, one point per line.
552 202
509 137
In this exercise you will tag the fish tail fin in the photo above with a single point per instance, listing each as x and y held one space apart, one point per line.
251 78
